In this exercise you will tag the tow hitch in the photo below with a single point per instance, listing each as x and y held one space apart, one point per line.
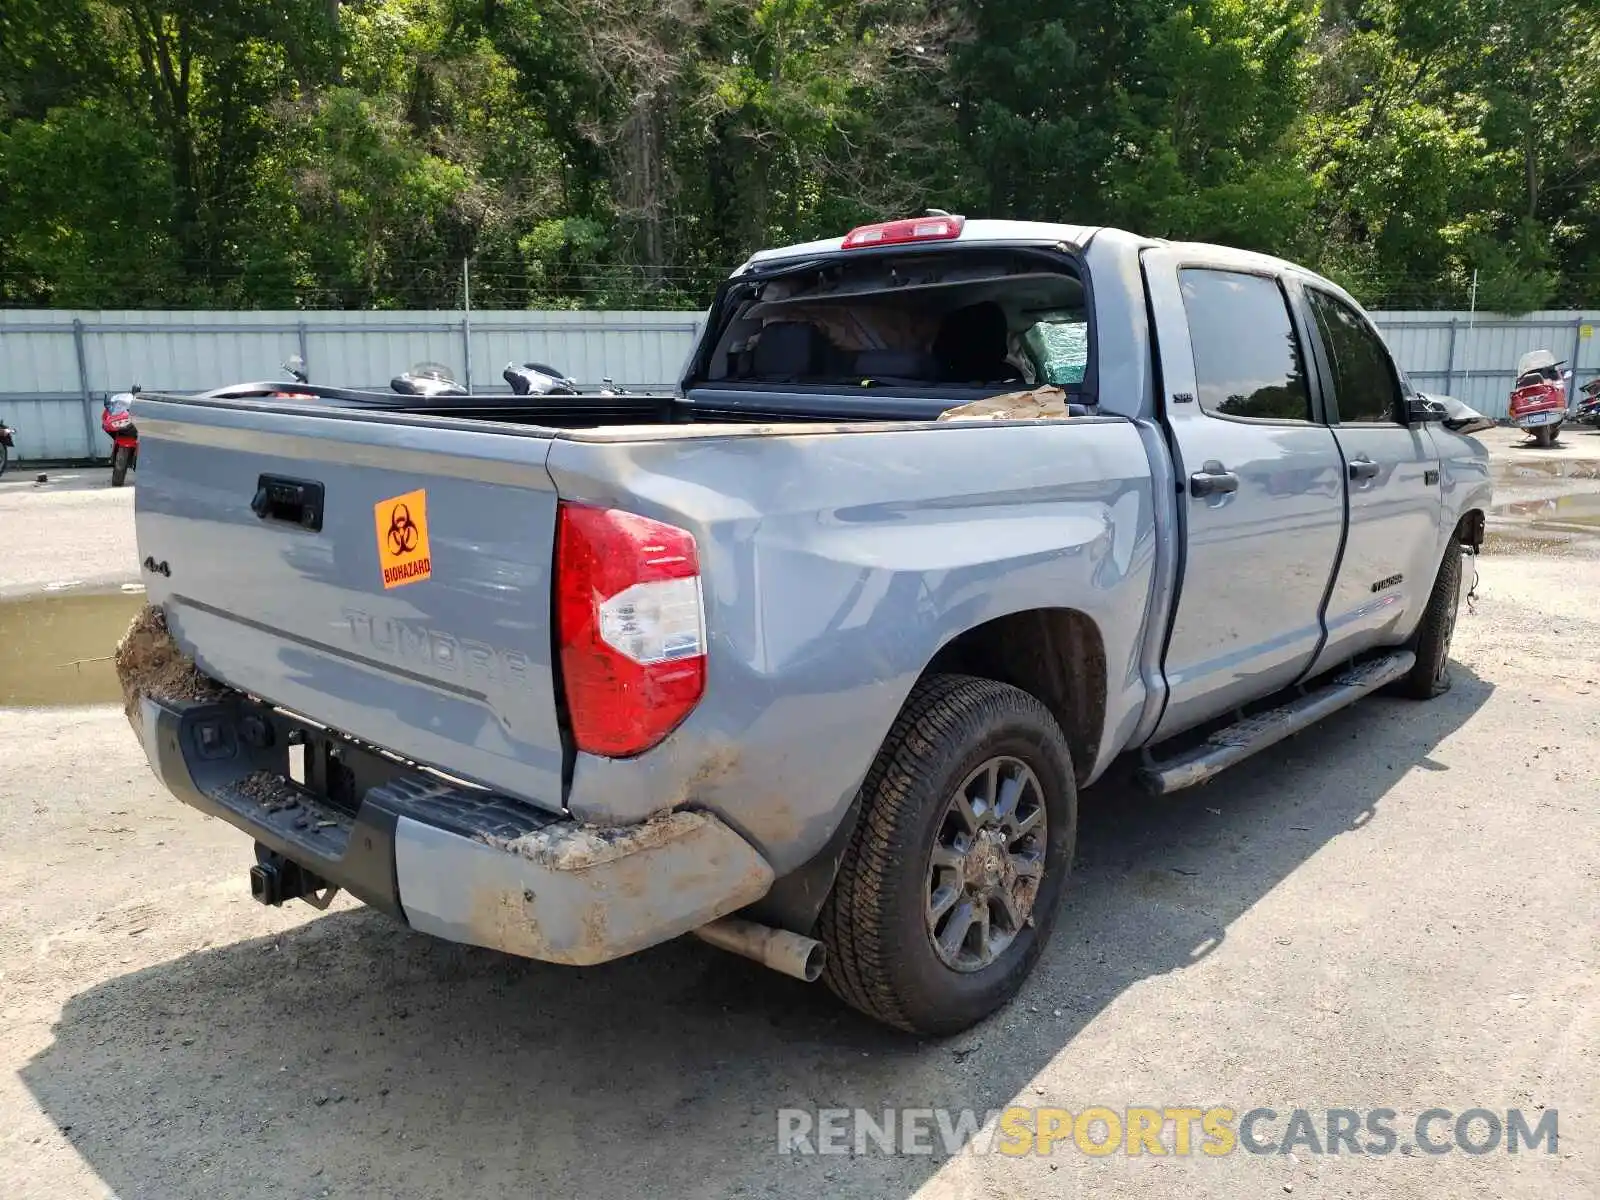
275 880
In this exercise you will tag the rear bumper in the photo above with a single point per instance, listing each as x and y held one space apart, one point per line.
462 864
1531 420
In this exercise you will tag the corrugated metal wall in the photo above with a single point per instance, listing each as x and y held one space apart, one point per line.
55 366
1474 356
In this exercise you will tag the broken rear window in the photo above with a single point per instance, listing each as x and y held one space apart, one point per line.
956 319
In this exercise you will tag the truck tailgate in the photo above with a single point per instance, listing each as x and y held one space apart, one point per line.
386 575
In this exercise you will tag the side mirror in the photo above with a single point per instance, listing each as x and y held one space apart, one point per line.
1419 411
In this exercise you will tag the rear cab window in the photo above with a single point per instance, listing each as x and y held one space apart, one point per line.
964 321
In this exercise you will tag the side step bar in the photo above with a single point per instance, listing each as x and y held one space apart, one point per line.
1243 738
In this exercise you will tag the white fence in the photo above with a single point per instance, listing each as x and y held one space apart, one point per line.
1473 357
55 366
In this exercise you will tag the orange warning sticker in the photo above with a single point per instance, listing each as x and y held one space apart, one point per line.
403 538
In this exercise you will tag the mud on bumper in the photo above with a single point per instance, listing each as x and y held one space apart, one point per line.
449 860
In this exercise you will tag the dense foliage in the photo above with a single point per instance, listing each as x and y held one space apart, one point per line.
619 153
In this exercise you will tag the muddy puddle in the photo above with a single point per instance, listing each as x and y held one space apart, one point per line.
1577 513
55 650
1523 471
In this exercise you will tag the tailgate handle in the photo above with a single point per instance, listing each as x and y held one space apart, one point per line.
292 501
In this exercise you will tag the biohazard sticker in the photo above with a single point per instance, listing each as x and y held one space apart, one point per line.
403 539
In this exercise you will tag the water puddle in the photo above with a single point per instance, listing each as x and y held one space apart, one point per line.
1580 513
55 650
1550 468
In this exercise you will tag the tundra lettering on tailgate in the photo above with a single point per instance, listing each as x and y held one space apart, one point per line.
402 524
410 642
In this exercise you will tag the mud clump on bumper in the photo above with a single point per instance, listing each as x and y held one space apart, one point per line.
578 847
149 663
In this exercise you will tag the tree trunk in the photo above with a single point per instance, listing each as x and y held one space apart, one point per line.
640 184
337 43
1530 157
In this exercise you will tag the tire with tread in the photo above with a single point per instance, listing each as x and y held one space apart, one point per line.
881 959
119 466
1431 675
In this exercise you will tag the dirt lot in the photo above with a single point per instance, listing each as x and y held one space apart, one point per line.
1398 909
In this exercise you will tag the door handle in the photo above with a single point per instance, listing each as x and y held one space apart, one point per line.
1213 481
1363 468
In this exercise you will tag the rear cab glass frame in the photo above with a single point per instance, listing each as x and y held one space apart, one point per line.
1051 256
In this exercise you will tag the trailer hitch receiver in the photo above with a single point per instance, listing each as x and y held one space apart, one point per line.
274 880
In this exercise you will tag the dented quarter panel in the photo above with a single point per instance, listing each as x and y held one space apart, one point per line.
834 567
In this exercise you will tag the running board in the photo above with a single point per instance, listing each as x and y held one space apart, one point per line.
1253 734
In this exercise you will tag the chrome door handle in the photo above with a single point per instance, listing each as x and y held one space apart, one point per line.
1213 481
1363 468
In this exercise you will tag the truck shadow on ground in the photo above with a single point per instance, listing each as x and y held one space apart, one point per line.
350 1057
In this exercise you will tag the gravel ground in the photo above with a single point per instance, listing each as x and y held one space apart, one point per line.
1398 909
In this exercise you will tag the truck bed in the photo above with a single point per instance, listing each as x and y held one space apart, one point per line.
720 405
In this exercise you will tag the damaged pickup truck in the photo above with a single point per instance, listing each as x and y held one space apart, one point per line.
813 657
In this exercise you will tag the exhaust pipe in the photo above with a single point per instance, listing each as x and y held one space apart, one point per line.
787 953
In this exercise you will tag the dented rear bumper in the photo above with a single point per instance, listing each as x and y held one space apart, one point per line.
448 860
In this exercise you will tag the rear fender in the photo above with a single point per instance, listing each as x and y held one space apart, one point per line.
835 566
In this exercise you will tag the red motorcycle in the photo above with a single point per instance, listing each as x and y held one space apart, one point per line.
1539 399
117 421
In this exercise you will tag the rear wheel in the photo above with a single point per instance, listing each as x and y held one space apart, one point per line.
953 877
119 465
1544 436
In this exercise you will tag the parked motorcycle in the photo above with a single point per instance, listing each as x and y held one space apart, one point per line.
7 434
117 421
427 379
1539 398
296 366
541 379
1589 404
538 379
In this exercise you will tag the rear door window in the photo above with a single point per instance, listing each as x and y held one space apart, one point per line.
1248 363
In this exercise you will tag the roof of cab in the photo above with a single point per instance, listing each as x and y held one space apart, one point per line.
1114 242
973 231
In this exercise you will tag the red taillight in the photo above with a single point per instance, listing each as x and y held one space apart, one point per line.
897 233
630 625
